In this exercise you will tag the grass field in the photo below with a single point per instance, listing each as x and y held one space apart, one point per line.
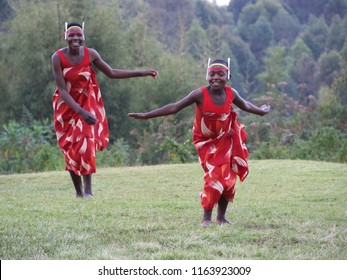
284 210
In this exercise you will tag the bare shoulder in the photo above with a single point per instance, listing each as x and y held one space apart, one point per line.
93 54
197 96
236 95
234 91
55 58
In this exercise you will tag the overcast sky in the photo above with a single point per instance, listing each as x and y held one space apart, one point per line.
221 2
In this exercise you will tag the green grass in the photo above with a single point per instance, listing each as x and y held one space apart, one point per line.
284 210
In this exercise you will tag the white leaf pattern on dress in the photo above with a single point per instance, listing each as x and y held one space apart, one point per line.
102 112
84 147
217 186
235 168
98 95
59 135
204 128
228 154
68 86
100 129
240 161
86 165
212 149
223 117
221 133
60 120
60 101
85 74
79 125
210 168
202 143
72 162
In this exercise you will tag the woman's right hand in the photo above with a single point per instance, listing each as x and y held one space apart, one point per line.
88 117
140 116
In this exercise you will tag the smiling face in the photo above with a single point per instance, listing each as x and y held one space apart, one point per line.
217 76
74 37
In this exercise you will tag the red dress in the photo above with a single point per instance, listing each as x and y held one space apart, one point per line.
77 139
219 140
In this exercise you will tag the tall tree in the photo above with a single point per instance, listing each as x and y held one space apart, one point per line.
316 35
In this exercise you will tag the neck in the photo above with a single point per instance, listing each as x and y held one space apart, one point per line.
216 91
74 51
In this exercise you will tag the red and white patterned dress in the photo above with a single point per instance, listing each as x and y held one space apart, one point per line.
219 139
77 139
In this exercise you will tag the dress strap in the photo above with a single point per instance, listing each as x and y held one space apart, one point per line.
64 61
86 58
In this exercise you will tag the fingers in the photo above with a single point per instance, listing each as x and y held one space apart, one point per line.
140 116
266 108
154 74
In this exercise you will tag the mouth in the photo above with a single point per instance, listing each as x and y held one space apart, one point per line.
76 43
216 83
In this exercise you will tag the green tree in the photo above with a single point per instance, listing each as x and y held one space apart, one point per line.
261 36
197 42
329 67
285 27
249 15
302 69
247 64
276 70
337 34
316 35
335 7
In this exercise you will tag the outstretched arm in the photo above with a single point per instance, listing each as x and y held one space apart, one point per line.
172 108
248 106
118 73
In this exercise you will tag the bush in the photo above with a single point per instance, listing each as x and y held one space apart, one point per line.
117 154
324 143
28 148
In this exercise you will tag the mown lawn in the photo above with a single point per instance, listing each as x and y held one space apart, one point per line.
284 210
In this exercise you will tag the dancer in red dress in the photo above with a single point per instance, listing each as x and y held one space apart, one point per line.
218 136
79 115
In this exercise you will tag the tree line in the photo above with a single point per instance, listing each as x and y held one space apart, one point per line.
290 54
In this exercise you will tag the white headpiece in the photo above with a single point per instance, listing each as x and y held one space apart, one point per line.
208 66
65 36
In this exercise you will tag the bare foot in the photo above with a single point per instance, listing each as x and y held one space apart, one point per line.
206 223
223 222
88 195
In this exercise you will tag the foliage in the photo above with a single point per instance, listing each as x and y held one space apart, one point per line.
28 148
296 50
166 141
117 154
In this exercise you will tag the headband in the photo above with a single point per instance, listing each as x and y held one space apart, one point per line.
221 67
73 26
213 65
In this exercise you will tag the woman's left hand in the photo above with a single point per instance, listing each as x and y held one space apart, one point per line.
153 73
265 108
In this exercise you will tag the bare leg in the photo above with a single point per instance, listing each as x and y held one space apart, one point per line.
87 181
222 208
77 182
206 219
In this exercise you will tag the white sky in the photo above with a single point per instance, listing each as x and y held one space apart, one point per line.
221 2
